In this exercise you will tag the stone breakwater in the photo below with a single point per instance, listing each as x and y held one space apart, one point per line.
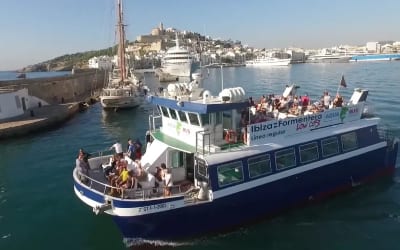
37 119
63 94
61 89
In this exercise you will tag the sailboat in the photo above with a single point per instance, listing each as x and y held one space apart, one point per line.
121 92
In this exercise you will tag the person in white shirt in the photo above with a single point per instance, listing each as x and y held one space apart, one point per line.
326 100
118 149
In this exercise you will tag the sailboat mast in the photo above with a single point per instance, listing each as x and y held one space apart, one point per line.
121 42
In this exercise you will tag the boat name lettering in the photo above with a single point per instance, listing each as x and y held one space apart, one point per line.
263 136
332 115
282 123
152 207
311 124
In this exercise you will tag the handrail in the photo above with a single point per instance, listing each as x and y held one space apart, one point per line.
144 193
152 121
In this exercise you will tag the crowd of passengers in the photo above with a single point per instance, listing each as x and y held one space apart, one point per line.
279 107
272 107
124 171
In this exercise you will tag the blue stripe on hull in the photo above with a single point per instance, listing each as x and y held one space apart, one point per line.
228 212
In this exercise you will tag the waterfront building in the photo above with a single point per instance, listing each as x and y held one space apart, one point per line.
15 102
101 62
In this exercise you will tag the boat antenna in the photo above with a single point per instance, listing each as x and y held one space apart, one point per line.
222 77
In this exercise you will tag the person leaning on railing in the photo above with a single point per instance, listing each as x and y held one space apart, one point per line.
82 166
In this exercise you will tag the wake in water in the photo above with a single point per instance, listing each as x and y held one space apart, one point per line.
150 244
139 243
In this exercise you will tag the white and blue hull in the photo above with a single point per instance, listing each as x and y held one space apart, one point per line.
246 202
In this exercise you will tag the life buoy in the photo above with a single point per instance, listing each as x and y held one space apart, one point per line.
230 136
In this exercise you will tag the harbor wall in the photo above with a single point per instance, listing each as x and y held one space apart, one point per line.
61 89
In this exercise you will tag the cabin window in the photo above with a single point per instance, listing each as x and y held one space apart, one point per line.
308 152
164 111
218 118
176 159
227 119
330 146
205 119
285 159
349 141
182 116
194 120
230 173
173 114
260 165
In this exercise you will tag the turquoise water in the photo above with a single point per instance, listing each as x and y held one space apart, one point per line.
39 210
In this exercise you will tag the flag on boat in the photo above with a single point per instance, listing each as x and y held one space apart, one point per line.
343 82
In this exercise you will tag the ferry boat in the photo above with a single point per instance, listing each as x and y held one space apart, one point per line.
226 175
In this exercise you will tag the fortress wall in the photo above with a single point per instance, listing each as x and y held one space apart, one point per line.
69 88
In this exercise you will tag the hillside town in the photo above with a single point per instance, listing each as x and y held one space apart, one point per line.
147 51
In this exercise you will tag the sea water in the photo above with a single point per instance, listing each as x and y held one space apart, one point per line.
39 210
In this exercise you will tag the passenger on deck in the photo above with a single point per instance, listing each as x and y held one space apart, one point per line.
167 177
131 183
243 125
118 148
109 170
85 155
326 100
251 102
123 176
294 110
305 101
131 152
82 166
338 102
159 178
138 149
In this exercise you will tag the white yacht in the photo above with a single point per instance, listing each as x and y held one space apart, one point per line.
121 92
328 56
177 61
271 59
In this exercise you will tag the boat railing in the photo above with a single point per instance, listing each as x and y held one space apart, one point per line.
132 193
154 122
387 135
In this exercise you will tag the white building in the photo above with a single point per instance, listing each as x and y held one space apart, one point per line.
101 62
16 102
372 47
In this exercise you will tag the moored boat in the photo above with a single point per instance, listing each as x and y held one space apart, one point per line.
375 57
230 165
270 59
177 61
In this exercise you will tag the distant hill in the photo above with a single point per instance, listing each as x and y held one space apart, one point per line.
66 62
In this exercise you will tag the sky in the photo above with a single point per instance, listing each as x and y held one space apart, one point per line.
32 31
